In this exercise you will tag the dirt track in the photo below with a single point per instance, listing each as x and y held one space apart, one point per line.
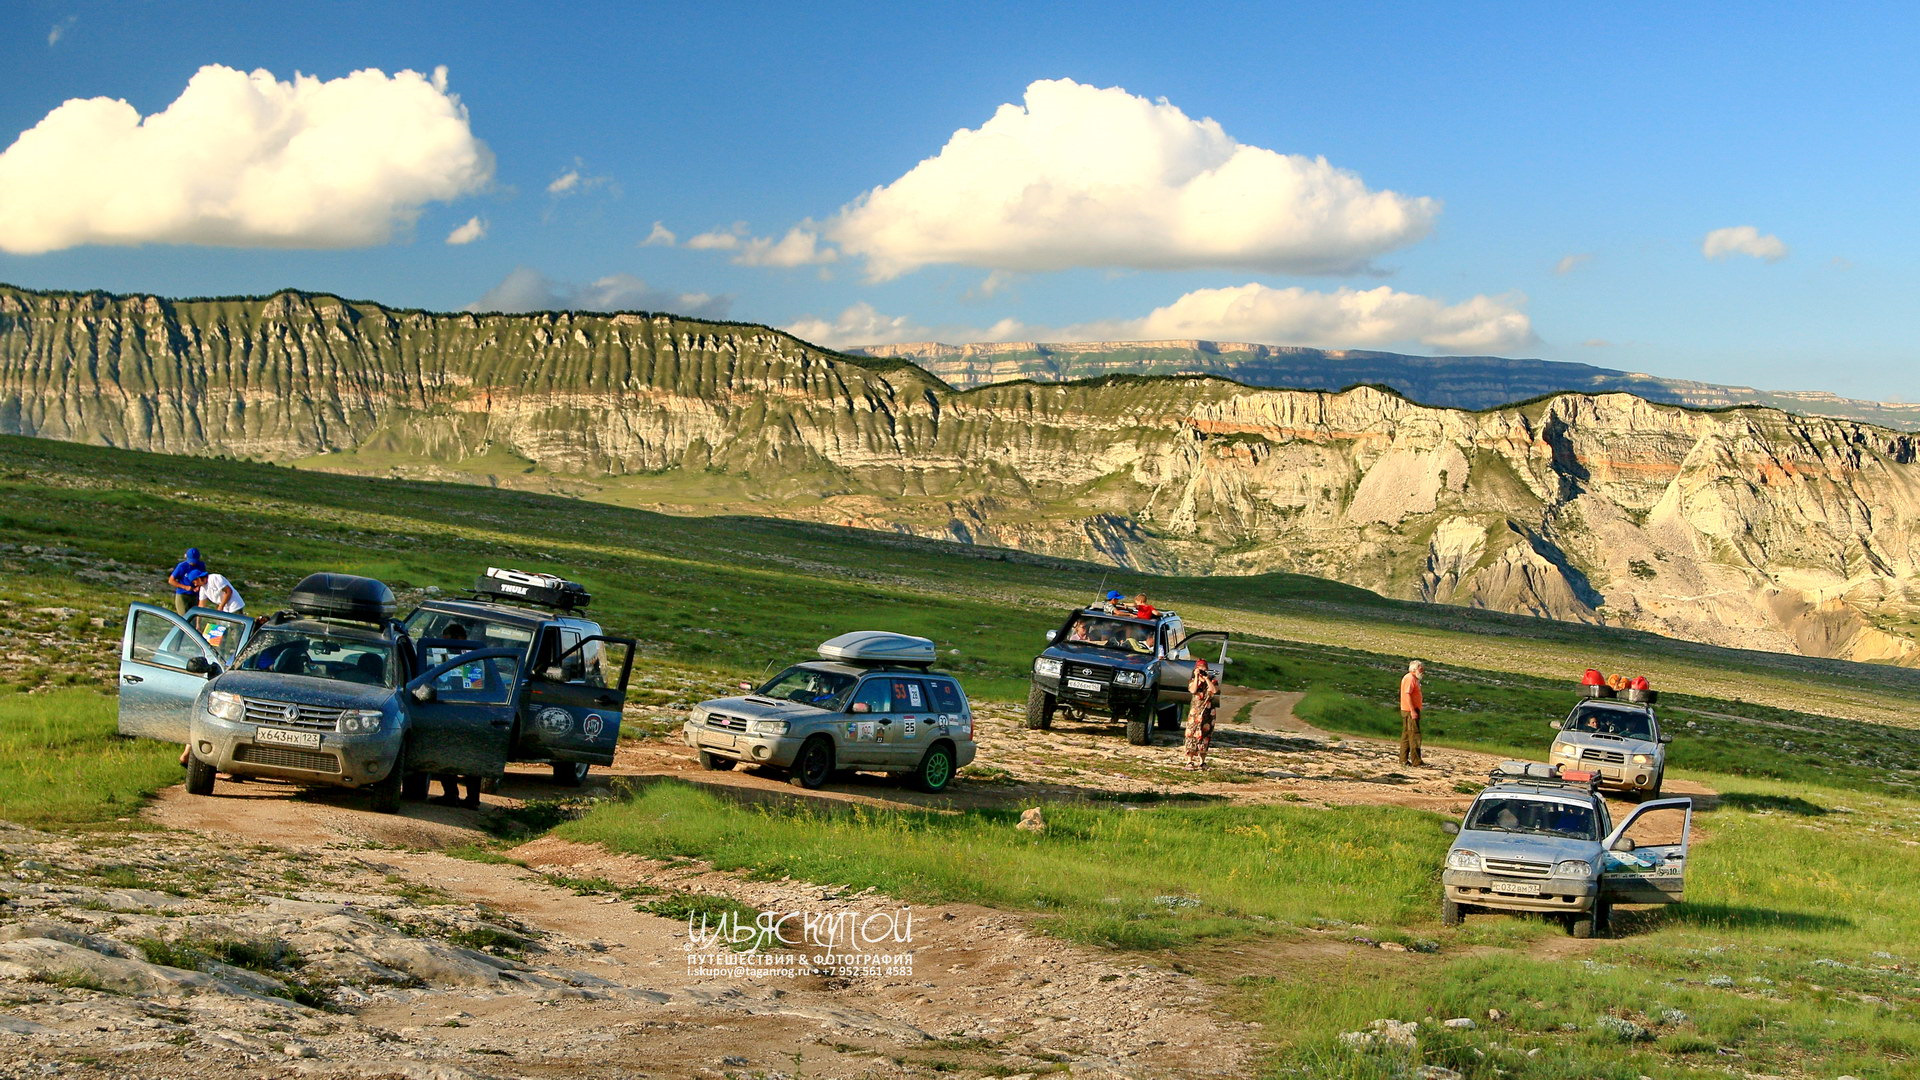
983 988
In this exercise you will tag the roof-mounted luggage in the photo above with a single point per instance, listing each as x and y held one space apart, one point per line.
345 597
540 590
877 647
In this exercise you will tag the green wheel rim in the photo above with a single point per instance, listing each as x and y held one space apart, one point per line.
938 770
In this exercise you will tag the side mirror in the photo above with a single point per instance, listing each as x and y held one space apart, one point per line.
1625 843
1665 738
860 706
423 693
1051 634
554 674
200 665
746 686
1553 725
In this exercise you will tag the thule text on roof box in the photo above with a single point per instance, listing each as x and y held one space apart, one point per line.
541 590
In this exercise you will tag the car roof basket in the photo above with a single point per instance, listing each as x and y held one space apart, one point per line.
538 590
879 648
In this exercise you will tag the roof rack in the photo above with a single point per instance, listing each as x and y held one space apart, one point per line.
539 590
1534 772
879 648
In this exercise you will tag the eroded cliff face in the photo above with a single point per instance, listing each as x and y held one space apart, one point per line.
1749 527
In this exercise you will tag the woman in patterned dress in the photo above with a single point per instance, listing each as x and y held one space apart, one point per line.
1205 688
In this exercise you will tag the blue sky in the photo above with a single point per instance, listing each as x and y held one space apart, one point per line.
1577 161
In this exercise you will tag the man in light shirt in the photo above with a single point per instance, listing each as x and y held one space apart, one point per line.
218 593
1410 709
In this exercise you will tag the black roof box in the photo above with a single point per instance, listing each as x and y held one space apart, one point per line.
345 597
540 590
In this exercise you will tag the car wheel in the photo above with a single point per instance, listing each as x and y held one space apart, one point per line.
415 786
1452 912
1139 732
1040 706
570 773
199 777
813 766
1583 924
716 763
386 793
936 769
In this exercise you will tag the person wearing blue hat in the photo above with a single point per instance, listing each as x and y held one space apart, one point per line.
185 587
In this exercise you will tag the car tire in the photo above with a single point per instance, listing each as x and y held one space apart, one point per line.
813 765
199 777
935 770
386 792
1589 923
716 763
1452 912
1040 706
1139 731
416 786
570 773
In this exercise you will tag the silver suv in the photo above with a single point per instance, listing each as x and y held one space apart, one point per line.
1619 740
1539 838
871 703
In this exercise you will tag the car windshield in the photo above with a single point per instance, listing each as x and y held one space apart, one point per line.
1600 720
1520 814
1100 632
829 690
319 655
438 627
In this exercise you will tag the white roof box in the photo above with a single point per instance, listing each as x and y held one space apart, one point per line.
878 647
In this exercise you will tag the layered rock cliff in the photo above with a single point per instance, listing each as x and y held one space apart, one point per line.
1747 527
1463 382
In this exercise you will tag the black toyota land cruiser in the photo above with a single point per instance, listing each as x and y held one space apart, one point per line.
1116 661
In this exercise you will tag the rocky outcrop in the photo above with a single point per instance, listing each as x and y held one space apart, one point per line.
1746 527
1463 382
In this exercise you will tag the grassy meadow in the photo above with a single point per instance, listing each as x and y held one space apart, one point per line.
1793 955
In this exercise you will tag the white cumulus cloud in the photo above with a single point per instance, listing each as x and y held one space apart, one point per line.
1569 263
242 160
1083 176
473 230
564 183
719 239
661 236
801 246
526 289
1345 318
1743 240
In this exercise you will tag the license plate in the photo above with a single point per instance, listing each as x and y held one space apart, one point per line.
1083 684
1517 888
282 737
719 740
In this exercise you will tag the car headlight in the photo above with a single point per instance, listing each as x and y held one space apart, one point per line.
226 706
1565 750
355 721
769 727
1643 759
1579 868
1462 859
1130 678
1049 668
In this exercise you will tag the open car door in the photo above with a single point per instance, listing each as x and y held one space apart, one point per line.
570 707
462 710
225 633
1176 671
1653 872
157 691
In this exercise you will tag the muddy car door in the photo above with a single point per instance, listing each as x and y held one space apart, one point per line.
225 633
462 714
1653 871
164 664
570 703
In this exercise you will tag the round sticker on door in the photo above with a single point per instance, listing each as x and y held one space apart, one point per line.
555 721
593 725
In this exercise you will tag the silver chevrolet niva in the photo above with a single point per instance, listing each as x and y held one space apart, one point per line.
871 703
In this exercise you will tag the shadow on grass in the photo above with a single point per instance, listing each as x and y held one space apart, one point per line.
1736 917
1748 801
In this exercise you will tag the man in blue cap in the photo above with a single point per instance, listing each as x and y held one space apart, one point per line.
182 579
